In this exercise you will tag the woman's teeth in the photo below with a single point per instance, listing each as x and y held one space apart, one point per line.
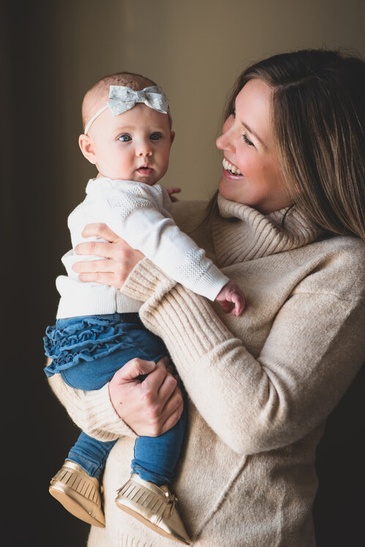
232 168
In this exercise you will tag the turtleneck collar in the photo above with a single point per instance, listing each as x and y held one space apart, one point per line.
250 234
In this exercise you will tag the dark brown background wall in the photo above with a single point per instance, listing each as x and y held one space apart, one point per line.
50 51
36 430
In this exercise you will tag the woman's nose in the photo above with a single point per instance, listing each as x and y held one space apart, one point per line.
219 142
223 142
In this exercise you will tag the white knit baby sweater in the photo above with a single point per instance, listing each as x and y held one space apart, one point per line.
260 386
141 215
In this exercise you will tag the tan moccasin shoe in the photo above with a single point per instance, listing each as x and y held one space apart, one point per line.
78 493
154 506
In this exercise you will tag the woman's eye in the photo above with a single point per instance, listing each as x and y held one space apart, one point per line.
247 140
155 136
125 138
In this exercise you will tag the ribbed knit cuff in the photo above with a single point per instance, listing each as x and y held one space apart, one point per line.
185 321
145 280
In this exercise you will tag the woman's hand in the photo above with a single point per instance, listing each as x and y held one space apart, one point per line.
118 258
150 405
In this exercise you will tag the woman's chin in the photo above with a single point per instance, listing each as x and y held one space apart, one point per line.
227 189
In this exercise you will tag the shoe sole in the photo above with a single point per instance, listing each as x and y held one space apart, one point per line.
150 524
63 495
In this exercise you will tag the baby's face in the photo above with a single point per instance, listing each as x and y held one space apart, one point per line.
134 145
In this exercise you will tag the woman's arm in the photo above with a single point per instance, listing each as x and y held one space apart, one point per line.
126 405
308 358
312 353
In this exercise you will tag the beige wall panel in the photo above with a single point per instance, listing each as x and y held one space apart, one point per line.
194 50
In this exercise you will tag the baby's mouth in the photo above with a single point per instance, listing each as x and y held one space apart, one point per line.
144 169
230 167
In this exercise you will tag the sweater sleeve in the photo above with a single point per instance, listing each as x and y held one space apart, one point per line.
257 403
160 239
92 411
144 225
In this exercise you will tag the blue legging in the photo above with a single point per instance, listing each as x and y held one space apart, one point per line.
87 351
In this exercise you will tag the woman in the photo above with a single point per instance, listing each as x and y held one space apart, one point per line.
288 225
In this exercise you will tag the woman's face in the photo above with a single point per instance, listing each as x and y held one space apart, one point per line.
251 170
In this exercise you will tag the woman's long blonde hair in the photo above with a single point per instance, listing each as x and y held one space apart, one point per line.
319 124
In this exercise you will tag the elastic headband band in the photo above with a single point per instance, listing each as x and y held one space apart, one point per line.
122 98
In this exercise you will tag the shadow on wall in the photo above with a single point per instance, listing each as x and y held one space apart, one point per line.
35 429
339 509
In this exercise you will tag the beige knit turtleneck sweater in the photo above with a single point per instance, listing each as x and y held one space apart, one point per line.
260 386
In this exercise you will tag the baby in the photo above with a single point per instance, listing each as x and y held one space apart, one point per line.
127 136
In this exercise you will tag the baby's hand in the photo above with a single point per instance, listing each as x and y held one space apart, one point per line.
231 299
172 192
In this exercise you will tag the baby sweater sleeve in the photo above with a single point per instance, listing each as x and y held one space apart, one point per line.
146 226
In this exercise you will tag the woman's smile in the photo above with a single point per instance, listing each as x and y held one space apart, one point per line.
248 140
232 169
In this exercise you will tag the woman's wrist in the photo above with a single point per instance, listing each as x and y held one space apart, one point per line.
182 318
146 279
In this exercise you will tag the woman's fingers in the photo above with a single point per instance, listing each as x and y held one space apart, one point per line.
100 230
104 249
173 416
134 369
149 405
117 258
156 382
92 265
169 396
106 272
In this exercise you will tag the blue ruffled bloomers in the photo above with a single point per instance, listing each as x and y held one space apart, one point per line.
108 341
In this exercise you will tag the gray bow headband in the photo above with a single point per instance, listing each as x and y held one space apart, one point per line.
122 98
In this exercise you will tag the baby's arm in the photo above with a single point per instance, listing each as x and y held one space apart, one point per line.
138 214
231 298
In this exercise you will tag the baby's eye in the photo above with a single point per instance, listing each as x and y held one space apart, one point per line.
156 136
125 138
247 140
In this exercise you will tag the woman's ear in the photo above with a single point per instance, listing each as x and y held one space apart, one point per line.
172 136
86 145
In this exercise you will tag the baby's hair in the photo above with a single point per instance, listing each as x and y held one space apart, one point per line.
98 94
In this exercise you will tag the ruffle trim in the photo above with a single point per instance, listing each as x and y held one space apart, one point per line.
82 341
